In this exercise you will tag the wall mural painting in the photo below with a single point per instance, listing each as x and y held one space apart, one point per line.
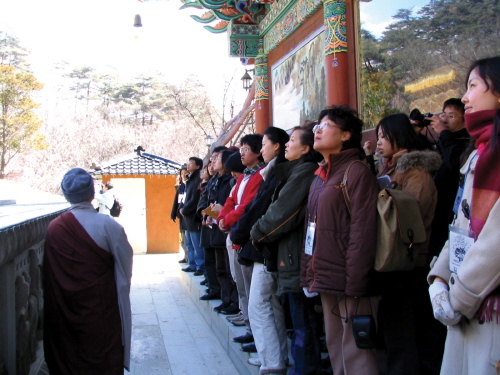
299 83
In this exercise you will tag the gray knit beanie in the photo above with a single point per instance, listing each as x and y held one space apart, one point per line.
77 186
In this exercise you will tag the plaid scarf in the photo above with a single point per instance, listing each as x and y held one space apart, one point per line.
251 171
486 185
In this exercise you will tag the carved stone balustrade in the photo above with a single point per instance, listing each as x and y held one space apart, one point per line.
22 233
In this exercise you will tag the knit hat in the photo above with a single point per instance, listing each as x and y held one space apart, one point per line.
77 186
233 163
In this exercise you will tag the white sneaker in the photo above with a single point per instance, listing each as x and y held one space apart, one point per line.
235 317
254 361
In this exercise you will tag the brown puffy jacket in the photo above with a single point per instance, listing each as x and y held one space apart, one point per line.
412 172
344 244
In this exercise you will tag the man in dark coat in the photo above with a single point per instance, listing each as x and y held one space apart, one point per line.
196 254
453 139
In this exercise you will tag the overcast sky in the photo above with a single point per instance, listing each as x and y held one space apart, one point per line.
100 33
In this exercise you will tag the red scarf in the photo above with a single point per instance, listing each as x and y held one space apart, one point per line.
486 185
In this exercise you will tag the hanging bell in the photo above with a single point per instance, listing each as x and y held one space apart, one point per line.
137 21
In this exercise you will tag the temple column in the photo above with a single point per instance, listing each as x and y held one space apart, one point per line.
261 91
336 59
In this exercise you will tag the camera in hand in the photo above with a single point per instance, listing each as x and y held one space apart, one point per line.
420 118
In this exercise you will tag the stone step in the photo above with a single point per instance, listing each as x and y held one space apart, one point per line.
223 330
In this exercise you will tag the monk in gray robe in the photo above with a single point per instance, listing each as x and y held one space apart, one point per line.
87 269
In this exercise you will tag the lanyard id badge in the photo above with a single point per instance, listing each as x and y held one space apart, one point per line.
459 243
309 245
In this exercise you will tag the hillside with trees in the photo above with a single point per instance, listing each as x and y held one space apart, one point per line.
85 116
450 33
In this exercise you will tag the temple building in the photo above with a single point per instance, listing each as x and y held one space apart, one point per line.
304 53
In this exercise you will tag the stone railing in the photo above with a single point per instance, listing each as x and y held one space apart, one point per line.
22 233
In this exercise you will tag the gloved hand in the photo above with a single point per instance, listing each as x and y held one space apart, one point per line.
309 294
440 300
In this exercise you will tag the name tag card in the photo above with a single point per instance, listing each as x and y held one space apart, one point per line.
311 228
460 241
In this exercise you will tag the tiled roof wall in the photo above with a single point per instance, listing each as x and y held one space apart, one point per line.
140 165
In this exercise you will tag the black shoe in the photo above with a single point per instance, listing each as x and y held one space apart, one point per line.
245 339
204 282
249 348
207 290
209 296
183 261
222 306
230 310
199 273
188 269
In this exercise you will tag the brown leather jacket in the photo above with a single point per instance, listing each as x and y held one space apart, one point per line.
344 244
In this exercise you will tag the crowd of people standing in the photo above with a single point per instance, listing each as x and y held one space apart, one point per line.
282 238
285 231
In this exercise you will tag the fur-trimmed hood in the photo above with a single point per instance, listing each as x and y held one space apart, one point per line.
429 161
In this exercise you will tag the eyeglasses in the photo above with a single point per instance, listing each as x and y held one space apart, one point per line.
245 149
324 125
450 117
215 158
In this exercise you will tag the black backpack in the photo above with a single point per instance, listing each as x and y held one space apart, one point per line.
116 209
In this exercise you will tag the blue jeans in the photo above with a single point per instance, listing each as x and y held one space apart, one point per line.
307 329
196 254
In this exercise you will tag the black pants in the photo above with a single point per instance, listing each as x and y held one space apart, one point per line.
211 270
228 291
413 340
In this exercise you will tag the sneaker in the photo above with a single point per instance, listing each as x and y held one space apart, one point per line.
239 323
230 310
244 339
210 296
220 307
238 316
254 361
249 348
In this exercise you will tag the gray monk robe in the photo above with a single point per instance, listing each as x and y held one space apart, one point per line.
87 271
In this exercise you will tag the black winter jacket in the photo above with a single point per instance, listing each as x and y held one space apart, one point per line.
192 219
218 193
240 232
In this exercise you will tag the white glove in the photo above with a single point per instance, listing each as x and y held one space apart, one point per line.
440 299
309 294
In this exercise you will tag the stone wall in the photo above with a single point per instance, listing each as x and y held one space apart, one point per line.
21 296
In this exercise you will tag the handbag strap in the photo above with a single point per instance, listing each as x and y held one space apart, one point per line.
344 185
279 226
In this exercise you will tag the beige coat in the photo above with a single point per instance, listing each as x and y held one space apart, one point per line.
479 273
471 347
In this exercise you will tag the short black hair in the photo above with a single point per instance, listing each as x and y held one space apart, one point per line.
252 140
348 120
197 160
219 149
224 156
455 102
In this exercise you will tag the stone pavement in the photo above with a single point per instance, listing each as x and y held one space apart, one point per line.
175 333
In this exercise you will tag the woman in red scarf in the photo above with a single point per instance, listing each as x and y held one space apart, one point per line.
465 289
